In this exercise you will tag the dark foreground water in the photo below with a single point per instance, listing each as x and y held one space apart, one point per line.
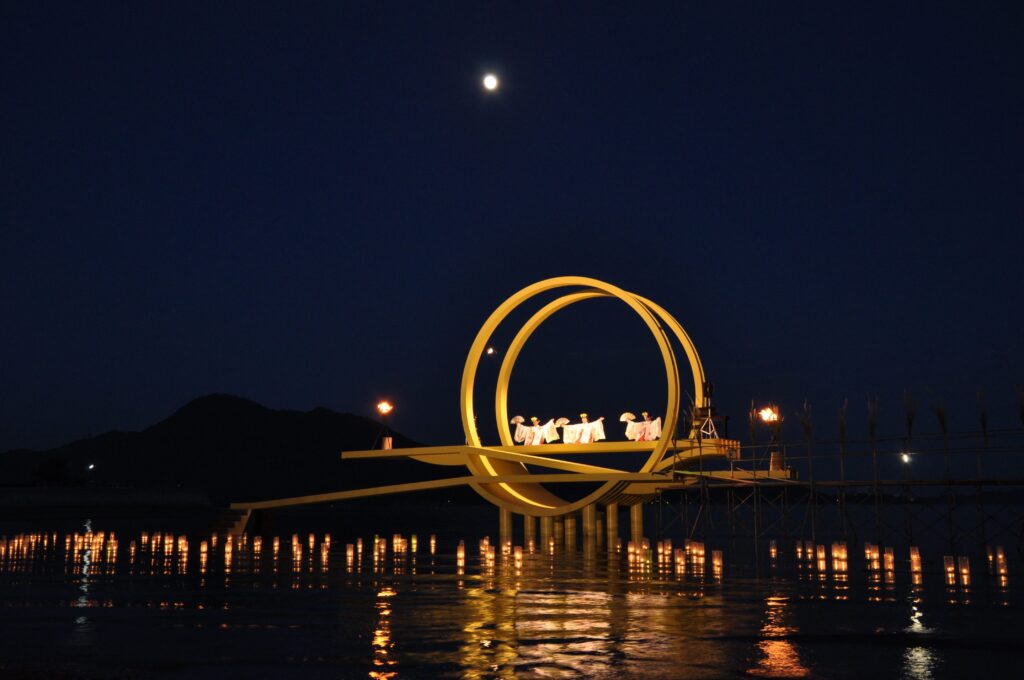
84 605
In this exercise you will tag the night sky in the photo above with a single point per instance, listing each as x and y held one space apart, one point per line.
317 204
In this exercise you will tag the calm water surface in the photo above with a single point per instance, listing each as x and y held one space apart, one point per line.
89 605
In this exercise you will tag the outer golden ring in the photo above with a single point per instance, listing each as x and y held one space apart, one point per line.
531 498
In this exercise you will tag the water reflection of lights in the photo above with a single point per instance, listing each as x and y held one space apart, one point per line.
83 586
918 661
780 656
384 663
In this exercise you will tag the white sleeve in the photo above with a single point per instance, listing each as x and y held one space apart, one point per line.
633 431
550 431
597 431
654 429
522 433
571 434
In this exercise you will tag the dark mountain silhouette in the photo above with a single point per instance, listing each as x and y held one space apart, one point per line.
230 448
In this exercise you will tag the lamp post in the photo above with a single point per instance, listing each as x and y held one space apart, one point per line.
385 407
770 416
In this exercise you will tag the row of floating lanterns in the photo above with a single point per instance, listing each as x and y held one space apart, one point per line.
101 547
956 569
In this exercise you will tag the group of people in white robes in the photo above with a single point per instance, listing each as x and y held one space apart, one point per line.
584 432
535 433
645 430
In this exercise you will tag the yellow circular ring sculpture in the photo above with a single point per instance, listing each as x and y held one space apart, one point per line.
532 498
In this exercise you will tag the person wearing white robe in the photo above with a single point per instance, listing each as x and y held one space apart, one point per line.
535 434
652 428
594 432
571 433
584 432
645 430
523 432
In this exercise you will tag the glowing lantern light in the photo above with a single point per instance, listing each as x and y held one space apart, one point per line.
949 566
964 563
1000 561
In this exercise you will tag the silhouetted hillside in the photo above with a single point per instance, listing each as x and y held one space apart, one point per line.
231 448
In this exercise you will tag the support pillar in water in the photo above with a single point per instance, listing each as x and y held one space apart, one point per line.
589 522
611 515
529 531
504 528
636 523
559 530
570 532
547 532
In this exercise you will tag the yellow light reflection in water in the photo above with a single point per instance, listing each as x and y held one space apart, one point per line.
384 663
918 662
781 658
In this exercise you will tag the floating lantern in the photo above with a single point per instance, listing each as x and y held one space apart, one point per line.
433 544
964 564
716 563
889 560
949 566
915 560
1000 561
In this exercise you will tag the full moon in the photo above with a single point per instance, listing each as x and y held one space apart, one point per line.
491 82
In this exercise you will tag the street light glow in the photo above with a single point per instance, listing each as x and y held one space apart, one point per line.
385 408
769 414
905 457
491 82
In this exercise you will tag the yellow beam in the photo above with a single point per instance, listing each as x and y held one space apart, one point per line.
445 483
354 493
542 461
